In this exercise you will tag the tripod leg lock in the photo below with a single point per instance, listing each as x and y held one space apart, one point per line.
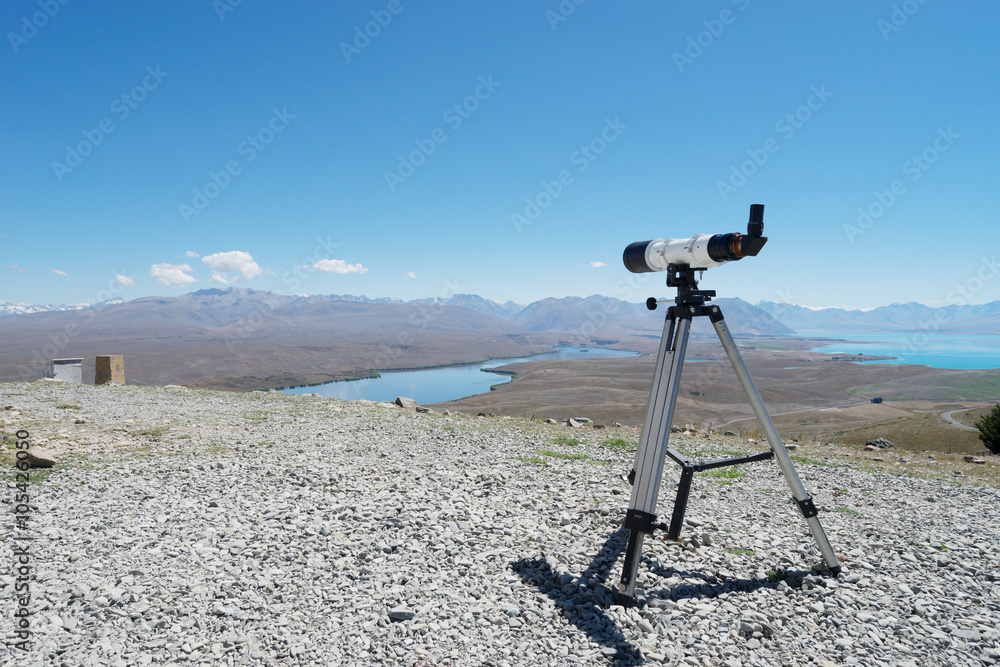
807 507
639 521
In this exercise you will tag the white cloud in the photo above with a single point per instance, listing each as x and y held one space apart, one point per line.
15 266
191 253
338 266
597 265
124 281
60 273
234 261
411 274
171 275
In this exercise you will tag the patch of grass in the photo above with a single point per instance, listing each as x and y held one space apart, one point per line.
564 455
569 442
740 551
776 575
618 443
183 437
154 432
941 547
532 459
39 475
599 462
813 462
730 472
141 451
256 416
846 510
217 448
263 443
35 476
68 406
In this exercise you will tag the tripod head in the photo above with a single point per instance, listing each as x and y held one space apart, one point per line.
682 277
701 251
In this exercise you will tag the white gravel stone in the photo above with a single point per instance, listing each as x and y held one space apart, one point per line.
264 529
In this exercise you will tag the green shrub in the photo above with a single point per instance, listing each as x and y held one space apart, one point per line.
989 429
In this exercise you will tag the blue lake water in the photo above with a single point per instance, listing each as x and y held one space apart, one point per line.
435 385
958 351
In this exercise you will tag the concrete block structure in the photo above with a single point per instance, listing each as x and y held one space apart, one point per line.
67 370
109 368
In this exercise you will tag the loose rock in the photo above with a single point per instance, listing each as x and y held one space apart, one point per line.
262 529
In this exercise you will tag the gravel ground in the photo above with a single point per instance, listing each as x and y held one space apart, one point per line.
193 527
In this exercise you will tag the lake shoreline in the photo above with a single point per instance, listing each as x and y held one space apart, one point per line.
557 352
939 350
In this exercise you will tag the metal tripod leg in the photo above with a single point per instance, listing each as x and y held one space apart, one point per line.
649 457
803 499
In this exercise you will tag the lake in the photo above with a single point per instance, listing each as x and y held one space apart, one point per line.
436 385
965 352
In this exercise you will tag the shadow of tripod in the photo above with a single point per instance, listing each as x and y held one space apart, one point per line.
583 600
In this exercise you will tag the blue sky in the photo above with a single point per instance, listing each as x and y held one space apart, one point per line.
509 149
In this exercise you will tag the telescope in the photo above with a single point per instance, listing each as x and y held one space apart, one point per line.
701 251
681 258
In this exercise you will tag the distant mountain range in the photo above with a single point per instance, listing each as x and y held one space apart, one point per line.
580 315
25 308
899 317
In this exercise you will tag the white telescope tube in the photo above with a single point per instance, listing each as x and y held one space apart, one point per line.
692 251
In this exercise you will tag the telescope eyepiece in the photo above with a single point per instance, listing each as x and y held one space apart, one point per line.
755 227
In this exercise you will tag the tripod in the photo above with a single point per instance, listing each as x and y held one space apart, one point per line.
647 471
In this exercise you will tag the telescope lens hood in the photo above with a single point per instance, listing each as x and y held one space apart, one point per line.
634 257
